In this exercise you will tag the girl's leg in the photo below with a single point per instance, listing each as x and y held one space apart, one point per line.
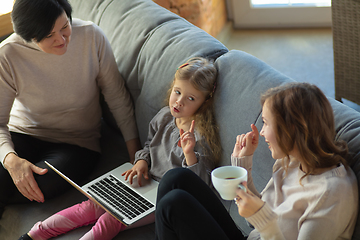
188 209
106 228
73 217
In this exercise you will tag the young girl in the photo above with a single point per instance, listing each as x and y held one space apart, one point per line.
180 135
304 199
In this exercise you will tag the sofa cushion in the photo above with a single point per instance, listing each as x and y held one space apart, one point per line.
157 66
147 68
89 10
135 36
241 81
347 125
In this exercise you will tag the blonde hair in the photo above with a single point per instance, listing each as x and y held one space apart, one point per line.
304 117
202 74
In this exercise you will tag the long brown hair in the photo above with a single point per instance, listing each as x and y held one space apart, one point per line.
202 75
304 117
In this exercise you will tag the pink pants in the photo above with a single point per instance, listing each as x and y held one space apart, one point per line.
85 213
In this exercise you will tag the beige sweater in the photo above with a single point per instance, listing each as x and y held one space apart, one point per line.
324 207
56 98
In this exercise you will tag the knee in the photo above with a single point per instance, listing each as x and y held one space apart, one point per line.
8 188
107 227
85 212
174 177
177 173
173 201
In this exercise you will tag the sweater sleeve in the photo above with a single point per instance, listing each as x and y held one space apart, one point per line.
113 88
144 154
7 96
246 162
202 168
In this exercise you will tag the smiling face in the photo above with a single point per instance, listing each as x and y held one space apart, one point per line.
269 133
185 100
57 41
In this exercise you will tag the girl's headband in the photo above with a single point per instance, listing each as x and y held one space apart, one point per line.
213 91
183 65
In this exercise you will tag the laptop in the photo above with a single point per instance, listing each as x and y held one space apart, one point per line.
127 202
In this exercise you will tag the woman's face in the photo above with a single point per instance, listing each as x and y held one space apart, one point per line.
57 41
269 133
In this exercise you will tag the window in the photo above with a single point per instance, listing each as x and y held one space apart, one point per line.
5 19
281 13
6 6
290 3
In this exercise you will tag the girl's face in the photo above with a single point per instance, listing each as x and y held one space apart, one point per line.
57 41
185 100
268 132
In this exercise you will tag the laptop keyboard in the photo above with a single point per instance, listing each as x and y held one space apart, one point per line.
121 197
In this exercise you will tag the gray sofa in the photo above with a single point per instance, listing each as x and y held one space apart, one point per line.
149 43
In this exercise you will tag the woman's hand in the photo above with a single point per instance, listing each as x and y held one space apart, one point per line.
139 169
247 202
21 171
246 144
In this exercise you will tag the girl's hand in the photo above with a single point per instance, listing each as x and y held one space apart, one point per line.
246 144
22 174
187 139
247 202
139 169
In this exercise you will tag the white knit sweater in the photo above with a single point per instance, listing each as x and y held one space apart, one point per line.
325 206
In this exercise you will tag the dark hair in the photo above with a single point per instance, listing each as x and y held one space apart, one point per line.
304 117
35 19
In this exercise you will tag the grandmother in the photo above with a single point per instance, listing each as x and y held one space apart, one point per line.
52 71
